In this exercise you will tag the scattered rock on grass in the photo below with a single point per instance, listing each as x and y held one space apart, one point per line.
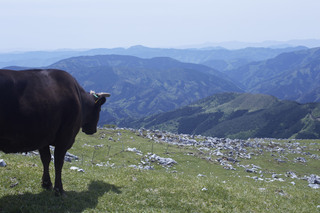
70 157
142 167
300 159
138 152
76 168
162 161
2 163
314 181
291 175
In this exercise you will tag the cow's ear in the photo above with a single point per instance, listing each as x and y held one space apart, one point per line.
100 101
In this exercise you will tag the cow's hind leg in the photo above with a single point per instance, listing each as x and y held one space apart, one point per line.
45 156
58 164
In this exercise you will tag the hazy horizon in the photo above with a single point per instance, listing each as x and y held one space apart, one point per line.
87 24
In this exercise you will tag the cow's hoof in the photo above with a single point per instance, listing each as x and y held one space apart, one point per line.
59 192
47 185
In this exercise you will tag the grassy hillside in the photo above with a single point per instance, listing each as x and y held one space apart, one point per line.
238 115
205 179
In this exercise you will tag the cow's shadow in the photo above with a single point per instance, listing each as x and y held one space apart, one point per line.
45 201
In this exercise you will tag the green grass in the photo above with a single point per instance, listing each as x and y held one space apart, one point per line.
119 188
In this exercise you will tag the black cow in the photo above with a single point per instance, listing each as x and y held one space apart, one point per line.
39 108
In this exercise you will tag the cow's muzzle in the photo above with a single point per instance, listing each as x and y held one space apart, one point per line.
89 132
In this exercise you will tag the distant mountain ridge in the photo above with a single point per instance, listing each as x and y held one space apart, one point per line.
292 76
240 115
310 43
208 56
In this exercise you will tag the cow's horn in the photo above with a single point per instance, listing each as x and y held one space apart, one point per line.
104 94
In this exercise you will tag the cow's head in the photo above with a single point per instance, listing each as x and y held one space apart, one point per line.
92 112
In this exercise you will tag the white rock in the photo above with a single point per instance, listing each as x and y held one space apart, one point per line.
76 168
255 166
218 153
138 152
314 179
292 175
2 163
162 161
314 186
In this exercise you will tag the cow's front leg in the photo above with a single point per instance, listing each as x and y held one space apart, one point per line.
45 156
58 164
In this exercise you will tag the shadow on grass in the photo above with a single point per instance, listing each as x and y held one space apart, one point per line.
47 202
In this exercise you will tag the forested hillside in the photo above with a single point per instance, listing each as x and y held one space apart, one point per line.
290 76
240 115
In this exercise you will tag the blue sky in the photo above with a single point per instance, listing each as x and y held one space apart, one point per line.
56 24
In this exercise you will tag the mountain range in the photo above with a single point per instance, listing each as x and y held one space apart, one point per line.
147 86
226 59
310 43
142 87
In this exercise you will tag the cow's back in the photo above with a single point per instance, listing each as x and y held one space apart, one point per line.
35 108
